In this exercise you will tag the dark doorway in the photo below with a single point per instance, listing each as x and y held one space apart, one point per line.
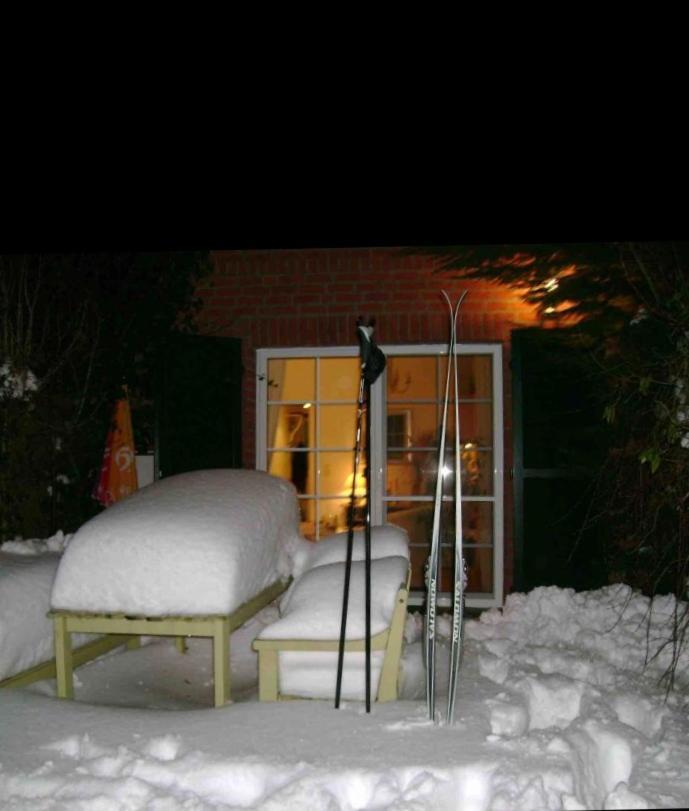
559 444
198 404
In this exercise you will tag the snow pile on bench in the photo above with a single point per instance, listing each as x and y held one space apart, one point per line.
386 540
194 544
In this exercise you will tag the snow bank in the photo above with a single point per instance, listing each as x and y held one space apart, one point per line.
555 734
609 624
193 544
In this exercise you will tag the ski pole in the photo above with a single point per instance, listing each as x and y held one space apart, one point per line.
350 544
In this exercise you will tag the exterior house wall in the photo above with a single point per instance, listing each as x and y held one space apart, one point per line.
285 298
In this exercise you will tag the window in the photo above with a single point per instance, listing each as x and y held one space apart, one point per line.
306 425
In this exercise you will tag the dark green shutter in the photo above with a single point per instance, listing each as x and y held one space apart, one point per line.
198 404
559 441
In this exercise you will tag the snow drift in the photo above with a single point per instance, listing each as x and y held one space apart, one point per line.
193 544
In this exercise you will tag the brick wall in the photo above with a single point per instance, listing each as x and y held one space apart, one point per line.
313 298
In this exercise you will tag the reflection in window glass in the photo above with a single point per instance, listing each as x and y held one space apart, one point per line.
412 426
474 376
332 515
477 472
339 379
415 394
292 379
475 424
289 426
338 426
336 471
297 467
412 377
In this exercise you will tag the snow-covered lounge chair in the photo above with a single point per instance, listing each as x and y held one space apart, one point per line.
27 571
195 554
298 653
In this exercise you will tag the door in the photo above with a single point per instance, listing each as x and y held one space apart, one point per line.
559 444
198 404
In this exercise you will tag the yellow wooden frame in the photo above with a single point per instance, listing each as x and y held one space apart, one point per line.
84 653
389 640
129 629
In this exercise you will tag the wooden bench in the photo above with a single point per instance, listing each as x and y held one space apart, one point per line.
129 629
389 641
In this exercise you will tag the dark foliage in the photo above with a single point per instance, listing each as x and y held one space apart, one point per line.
627 307
80 326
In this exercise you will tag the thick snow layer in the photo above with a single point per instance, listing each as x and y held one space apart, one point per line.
193 544
314 607
609 625
386 540
140 734
27 571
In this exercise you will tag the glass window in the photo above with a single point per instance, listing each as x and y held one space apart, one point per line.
414 404
307 417
310 430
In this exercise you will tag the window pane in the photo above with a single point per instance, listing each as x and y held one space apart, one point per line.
290 426
339 378
410 425
418 556
292 379
413 475
477 472
336 471
338 426
474 376
297 467
477 522
415 517
412 377
475 424
480 570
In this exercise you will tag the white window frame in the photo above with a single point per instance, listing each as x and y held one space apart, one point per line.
378 461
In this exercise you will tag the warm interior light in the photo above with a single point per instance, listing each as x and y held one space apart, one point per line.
549 310
306 405
360 488
446 471
552 284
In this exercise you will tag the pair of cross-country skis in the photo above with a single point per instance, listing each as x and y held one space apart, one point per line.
372 365
433 567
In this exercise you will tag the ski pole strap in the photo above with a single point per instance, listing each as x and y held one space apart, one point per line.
372 356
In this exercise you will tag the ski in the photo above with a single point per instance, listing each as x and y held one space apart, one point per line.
459 568
433 565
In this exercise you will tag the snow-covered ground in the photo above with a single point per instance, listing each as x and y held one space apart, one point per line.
553 711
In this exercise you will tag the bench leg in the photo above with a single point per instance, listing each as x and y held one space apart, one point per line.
63 659
267 675
134 643
181 644
389 675
221 661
